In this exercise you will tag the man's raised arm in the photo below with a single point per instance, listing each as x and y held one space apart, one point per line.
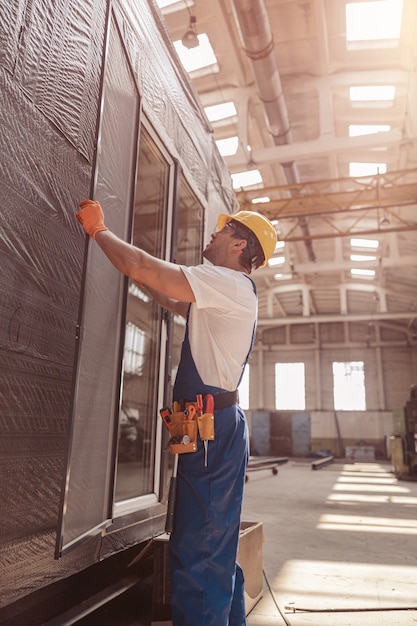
163 277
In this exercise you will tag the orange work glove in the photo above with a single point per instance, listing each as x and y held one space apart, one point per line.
91 217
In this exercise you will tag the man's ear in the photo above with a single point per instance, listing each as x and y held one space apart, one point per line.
240 244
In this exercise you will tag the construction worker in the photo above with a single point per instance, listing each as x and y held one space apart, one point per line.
219 302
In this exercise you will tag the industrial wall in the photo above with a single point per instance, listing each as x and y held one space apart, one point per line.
52 55
390 370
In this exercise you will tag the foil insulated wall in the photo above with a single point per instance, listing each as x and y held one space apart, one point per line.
169 99
50 78
49 81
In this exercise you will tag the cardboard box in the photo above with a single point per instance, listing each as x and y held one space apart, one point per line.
249 556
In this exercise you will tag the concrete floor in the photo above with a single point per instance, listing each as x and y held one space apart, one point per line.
342 537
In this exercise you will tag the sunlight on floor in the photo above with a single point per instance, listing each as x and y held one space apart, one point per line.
327 584
360 523
367 478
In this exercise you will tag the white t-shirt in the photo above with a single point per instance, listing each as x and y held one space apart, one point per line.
221 323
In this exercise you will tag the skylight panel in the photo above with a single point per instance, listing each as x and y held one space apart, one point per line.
360 273
276 260
202 56
246 179
282 276
262 200
355 130
229 146
366 169
372 93
171 6
373 21
371 244
362 257
221 111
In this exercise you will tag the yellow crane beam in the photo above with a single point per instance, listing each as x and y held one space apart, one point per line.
335 195
345 197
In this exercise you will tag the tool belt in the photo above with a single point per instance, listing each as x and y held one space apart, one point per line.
225 399
184 423
186 418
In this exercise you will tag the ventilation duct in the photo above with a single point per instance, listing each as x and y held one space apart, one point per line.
255 32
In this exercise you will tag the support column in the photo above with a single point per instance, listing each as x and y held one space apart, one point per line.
260 399
380 374
319 400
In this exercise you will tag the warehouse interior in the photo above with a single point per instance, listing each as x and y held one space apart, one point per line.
170 112
313 106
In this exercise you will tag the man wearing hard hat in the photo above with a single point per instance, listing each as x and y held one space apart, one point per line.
219 302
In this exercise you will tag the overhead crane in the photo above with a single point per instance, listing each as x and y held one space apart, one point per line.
341 197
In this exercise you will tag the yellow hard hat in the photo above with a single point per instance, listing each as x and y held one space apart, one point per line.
260 226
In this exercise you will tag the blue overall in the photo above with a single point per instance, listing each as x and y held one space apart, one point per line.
207 585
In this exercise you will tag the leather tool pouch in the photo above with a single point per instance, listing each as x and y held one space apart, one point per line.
206 426
183 433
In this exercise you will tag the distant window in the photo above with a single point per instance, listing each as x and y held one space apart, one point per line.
289 386
349 386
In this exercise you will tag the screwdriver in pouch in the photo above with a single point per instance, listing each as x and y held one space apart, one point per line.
200 411
209 408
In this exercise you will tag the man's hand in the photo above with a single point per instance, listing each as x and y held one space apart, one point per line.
91 217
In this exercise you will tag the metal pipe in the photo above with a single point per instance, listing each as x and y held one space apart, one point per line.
256 36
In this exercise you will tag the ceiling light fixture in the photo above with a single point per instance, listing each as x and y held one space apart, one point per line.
384 221
190 39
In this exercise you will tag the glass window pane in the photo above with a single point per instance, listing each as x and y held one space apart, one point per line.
139 411
89 473
349 386
289 386
189 249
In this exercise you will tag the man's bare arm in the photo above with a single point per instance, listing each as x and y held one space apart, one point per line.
165 278
175 306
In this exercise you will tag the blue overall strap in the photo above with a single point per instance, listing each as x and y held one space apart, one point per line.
253 335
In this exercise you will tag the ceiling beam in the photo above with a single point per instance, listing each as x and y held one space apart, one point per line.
324 319
310 149
348 79
375 193
304 83
324 267
350 232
